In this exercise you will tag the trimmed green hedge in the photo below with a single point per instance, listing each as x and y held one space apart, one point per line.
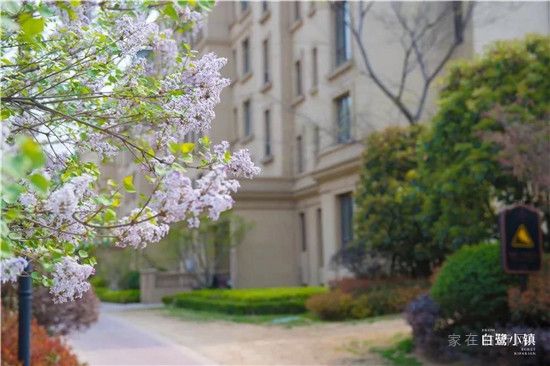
118 296
277 300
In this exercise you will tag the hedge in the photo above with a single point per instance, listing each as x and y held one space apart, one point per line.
281 300
117 296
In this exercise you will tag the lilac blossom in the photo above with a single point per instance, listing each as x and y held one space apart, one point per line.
141 233
241 165
11 268
70 280
64 201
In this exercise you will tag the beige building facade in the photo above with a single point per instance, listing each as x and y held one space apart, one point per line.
300 101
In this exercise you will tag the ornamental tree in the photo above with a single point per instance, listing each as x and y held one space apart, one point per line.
461 172
90 83
388 202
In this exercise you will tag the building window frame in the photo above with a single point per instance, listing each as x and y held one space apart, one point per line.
245 45
343 105
303 231
244 6
298 79
247 118
299 154
345 201
314 68
265 64
342 34
297 11
268 146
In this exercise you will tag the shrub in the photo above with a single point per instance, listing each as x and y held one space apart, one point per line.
46 350
375 300
98 281
61 319
334 305
118 296
532 306
130 281
423 314
387 205
246 301
471 287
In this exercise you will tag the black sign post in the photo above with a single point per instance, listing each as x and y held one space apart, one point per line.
25 310
521 239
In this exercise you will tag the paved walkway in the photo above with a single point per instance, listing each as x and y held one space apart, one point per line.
114 340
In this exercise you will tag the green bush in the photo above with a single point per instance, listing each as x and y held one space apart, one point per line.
459 172
471 286
334 305
98 281
130 281
339 305
117 296
246 301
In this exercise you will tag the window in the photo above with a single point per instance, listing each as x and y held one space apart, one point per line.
236 121
346 219
297 11
312 7
247 119
267 133
303 231
265 54
246 56
343 118
316 140
265 6
244 6
342 33
234 64
299 154
314 68
298 76
320 237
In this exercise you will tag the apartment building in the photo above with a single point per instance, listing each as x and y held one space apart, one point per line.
301 103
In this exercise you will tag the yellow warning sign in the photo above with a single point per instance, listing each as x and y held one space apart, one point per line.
522 239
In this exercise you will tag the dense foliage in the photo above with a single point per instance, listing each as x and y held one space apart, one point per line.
388 203
57 319
532 306
471 287
46 350
118 296
461 175
358 299
277 300
86 84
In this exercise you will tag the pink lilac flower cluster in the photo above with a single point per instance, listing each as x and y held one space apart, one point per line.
70 280
179 199
64 201
132 35
11 268
202 84
141 233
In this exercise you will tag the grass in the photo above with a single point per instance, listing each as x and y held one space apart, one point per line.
263 319
286 320
399 354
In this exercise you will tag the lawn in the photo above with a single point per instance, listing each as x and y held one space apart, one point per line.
289 320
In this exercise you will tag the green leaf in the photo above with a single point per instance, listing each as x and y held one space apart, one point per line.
82 253
40 182
30 26
110 215
11 193
128 183
32 150
187 147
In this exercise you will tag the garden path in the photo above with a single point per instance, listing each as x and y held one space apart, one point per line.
139 336
115 340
